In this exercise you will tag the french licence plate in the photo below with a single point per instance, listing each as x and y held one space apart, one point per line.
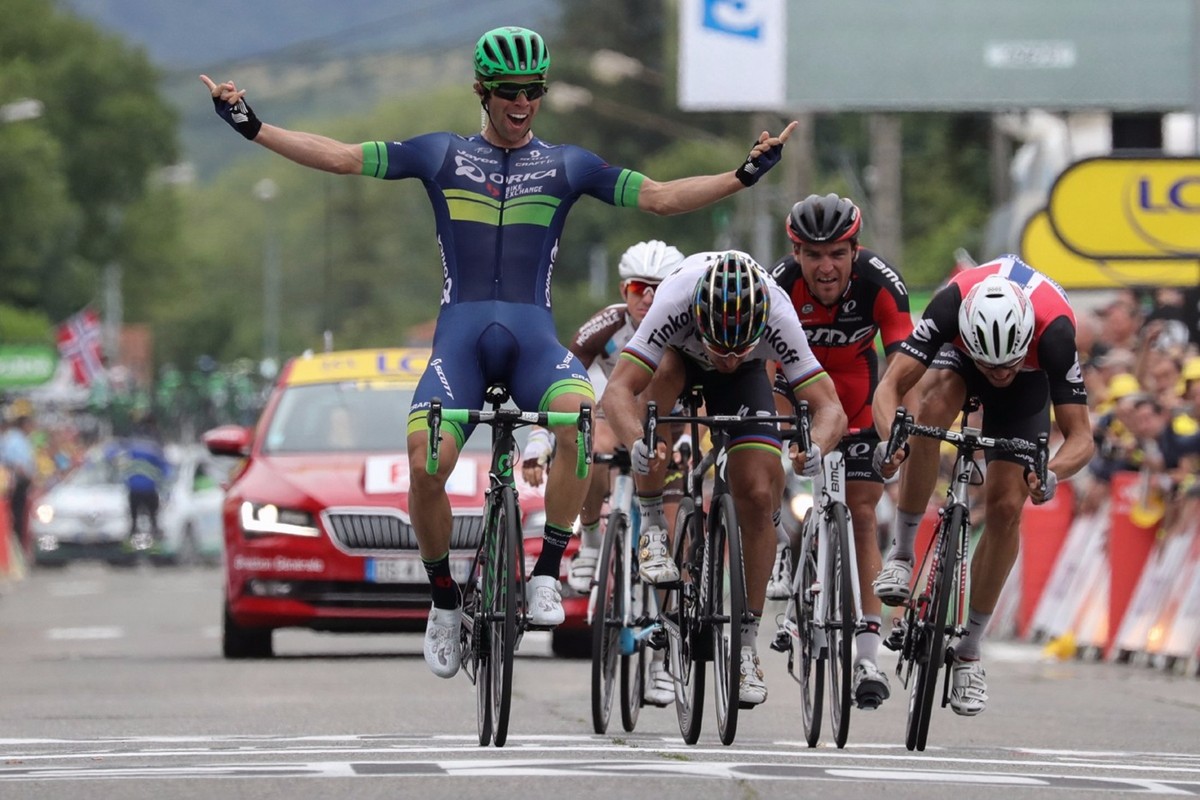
411 570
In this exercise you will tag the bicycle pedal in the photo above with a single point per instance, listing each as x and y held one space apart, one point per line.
782 643
895 637
657 639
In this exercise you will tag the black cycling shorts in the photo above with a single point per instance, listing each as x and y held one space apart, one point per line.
745 392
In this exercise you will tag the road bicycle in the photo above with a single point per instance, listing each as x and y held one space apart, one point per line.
824 610
703 613
494 616
936 615
622 609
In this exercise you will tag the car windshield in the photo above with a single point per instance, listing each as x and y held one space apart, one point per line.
94 471
361 416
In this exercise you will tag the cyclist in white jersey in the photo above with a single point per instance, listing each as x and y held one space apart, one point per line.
716 322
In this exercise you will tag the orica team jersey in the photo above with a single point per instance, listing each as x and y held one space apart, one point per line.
1053 346
499 213
669 323
599 341
842 336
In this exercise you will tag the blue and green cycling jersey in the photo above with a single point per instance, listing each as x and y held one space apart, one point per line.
499 213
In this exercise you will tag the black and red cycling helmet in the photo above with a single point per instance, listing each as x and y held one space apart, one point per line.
818 220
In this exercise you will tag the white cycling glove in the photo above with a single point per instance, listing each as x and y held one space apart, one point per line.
1051 486
812 461
540 446
639 457
879 457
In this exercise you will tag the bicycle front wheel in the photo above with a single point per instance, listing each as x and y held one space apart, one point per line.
502 627
477 647
807 658
635 665
687 664
841 626
727 593
928 614
606 620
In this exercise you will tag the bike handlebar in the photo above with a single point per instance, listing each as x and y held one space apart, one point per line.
510 418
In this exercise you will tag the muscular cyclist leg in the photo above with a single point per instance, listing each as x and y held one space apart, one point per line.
756 483
862 497
942 392
1005 494
599 480
564 489
428 504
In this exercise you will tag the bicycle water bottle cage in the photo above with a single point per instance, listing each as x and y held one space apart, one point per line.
496 394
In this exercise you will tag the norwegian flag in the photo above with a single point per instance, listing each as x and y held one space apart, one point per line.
79 342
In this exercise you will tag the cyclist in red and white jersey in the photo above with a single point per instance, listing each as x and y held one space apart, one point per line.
1005 333
844 295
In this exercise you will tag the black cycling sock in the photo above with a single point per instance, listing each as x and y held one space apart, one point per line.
441 584
554 542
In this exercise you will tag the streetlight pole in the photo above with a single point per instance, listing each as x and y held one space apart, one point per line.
266 190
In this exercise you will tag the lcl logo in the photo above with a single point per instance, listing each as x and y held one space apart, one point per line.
1129 208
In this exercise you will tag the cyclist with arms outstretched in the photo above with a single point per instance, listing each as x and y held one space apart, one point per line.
500 199
715 323
1005 333
844 295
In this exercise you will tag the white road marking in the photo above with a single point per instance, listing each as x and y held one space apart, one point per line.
79 634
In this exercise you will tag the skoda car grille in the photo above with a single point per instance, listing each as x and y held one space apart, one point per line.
375 531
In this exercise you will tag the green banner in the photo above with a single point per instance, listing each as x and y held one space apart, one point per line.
25 365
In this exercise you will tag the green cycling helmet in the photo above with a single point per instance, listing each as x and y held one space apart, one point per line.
510 51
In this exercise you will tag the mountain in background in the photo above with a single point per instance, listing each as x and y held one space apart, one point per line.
303 58
208 34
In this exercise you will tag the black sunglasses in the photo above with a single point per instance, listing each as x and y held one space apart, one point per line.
509 90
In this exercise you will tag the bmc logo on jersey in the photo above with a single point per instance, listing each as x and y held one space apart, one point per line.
832 337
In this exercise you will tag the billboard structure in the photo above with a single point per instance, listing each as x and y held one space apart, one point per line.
938 55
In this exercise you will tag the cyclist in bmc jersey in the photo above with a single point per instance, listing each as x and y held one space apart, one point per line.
716 322
844 295
500 199
1005 333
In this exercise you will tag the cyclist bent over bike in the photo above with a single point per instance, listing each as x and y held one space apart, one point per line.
844 294
715 323
1005 333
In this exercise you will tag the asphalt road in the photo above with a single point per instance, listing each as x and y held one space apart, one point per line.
112 683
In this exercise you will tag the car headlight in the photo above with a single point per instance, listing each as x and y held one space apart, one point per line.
268 518
44 513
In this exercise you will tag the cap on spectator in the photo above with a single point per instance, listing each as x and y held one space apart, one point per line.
1191 369
1122 385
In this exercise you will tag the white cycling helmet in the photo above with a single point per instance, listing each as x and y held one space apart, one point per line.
649 261
995 321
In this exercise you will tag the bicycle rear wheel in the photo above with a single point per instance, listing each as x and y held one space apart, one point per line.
607 620
684 611
841 626
929 616
503 617
727 593
807 658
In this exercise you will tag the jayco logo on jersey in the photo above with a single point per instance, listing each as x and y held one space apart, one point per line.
784 352
735 17
662 334
890 274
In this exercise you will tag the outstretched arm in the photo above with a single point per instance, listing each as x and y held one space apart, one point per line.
689 194
307 149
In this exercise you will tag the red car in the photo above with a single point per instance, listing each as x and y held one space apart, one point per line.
317 532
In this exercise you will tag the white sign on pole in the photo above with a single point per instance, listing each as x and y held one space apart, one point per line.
732 55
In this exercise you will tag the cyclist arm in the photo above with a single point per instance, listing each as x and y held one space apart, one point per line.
1078 445
689 194
828 417
619 401
306 149
902 373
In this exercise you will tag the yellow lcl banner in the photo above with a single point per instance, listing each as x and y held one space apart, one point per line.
1119 222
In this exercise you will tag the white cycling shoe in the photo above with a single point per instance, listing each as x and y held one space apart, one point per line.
893 584
752 689
659 689
543 601
443 651
655 563
968 689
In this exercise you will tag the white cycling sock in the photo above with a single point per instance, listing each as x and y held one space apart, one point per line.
866 643
750 634
905 536
651 508
589 535
968 647
782 539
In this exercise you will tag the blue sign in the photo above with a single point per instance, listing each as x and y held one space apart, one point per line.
736 17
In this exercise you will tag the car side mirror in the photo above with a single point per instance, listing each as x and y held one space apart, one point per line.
228 440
